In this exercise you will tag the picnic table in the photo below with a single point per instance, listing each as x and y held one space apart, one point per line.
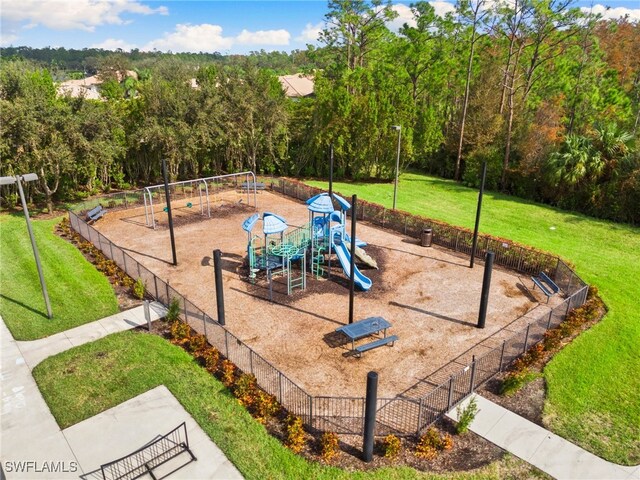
364 328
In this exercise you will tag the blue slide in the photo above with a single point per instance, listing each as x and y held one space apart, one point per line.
344 256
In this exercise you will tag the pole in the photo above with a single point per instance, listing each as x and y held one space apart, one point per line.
147 314
475 230
352 267
168 199
395 184
217 267
370 416
43 285
486 284
331 173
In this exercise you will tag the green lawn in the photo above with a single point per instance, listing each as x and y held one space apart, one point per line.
89 379
77 291
594 383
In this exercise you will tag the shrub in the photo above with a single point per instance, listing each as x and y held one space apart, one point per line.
245 389
466 415
180 332
424 449
514 381
173 312
265 406
446 441
294 438
197 344
227 373
329 445
391 446
552 339
139 289
211 357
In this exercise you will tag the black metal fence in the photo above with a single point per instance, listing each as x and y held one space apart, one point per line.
402 415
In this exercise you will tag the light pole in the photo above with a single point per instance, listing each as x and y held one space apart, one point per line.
29 177
395 184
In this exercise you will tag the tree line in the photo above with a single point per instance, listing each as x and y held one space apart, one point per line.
547 95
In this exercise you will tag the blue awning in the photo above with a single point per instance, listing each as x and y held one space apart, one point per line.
272 223
250 222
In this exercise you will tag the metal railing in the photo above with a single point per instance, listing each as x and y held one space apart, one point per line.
401 415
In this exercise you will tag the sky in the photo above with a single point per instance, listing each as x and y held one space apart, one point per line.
225 26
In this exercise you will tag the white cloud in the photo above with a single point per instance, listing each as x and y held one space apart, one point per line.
311 33
7 39
614 13
405 15
114 44
442 7
192 38
74 14
264 37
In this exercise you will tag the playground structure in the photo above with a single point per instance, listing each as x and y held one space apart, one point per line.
206 190
317 240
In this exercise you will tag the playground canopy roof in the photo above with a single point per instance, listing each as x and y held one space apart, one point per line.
271 223
322 203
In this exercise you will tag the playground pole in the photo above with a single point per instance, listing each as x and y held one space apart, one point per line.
168 199
331 173
475 230
217 267
370 416
352 269
486 284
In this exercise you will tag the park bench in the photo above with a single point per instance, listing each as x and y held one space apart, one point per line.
251 185
146 459
96 214
360 349
544 283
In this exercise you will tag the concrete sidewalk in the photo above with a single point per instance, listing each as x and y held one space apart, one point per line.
545 450
31 443
129 426
35 351
32 446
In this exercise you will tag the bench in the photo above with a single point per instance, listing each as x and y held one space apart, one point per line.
544 283
96 214
257 185
375 344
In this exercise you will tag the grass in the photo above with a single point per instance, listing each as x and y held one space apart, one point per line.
78 292
91 378
593 384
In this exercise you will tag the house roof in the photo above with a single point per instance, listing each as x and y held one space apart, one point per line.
298 85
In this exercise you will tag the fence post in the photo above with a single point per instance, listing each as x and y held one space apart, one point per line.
111 248
450 395
147 314
166 284
568 307
504 344
124 259
473 374
419 416
251 362
526 338
280 387
155 285
549 321
310 411
370 416
204 324
226 344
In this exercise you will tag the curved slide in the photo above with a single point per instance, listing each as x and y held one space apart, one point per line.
344 256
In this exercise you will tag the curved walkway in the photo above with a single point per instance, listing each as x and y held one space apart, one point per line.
545 450
32 446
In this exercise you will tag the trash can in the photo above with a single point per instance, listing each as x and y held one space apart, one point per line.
427 236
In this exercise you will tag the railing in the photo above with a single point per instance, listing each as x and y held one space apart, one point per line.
401 415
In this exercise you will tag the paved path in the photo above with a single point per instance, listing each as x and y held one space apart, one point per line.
545 450
136 422
32 446
37 350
